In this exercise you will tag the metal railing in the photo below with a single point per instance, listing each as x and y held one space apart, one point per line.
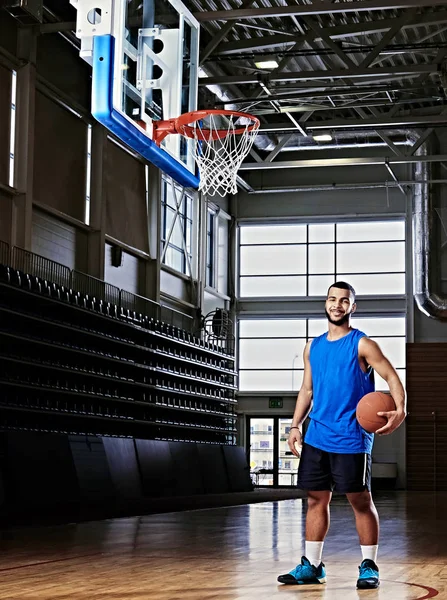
140 304
95 288
53 272
176 318
5 253
33 264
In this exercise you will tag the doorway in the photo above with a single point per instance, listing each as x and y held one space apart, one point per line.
272 464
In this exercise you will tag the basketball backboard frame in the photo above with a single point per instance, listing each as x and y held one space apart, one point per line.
144 60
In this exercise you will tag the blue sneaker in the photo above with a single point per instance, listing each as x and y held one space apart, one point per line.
304 573
368 575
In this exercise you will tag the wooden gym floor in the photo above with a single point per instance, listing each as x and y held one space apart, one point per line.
231 553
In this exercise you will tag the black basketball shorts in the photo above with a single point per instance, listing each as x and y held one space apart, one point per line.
328 471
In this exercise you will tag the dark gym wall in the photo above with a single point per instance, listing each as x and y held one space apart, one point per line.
48 476
44 211
53 119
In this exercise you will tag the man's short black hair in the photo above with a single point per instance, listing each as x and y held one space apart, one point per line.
342 285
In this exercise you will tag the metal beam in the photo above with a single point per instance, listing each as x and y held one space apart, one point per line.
334 92
397 151
393 175
341 162
355 72
56 27
325 36
255 155
310 107
277 149
427 133
384 121
267 42
410 15
314 8
297 125
361 124
330 187
218 37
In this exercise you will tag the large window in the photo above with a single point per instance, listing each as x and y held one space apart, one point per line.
217 249
303 260
271 350
177 228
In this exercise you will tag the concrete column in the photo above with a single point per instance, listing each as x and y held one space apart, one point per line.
22 207
96 236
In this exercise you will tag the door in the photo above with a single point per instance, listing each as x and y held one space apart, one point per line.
271 462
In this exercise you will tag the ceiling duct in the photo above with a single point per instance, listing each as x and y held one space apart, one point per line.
341 139
431 304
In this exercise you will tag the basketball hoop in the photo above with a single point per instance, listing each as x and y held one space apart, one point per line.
223 139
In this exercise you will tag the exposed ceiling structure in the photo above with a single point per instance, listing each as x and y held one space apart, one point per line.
369 73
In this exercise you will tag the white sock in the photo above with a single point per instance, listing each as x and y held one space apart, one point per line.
370 552
314 552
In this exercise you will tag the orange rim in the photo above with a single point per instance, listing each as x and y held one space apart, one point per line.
182 124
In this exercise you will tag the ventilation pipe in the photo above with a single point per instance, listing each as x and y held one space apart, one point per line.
429 303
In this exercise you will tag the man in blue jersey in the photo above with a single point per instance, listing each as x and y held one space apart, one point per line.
336 454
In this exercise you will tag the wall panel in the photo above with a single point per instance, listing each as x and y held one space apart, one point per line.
427 420
127 276
125 194
60 158
59 241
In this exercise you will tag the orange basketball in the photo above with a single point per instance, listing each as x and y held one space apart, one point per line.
369 406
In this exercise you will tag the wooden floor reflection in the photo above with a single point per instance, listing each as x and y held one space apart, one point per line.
232 553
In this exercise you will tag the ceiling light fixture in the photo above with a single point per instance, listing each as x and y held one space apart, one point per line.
322 137
267 62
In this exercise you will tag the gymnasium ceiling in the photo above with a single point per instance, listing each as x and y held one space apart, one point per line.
370 73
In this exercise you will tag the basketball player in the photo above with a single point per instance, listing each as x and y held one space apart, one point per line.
336 454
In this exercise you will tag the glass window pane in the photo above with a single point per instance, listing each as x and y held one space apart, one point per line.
273 260
321 258
382 386
319 284
322 232
377 285
287 462
394 350
268 328
174 259
255 287
222 253
371 258
188 235
169 197
317 327
261 451
177 234
168 218
370 231
269 381
273 234
297 379
387 326
271 353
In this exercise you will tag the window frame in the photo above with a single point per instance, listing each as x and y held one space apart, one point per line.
306 337
334 274
185 214
215 215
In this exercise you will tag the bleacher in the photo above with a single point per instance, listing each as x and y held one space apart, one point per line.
80 356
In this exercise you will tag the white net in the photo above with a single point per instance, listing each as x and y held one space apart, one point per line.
219 159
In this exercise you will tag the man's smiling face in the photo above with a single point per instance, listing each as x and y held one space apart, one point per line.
339 306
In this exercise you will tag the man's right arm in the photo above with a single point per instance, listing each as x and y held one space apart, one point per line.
303 406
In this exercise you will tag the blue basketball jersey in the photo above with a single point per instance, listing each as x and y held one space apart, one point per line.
338 383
